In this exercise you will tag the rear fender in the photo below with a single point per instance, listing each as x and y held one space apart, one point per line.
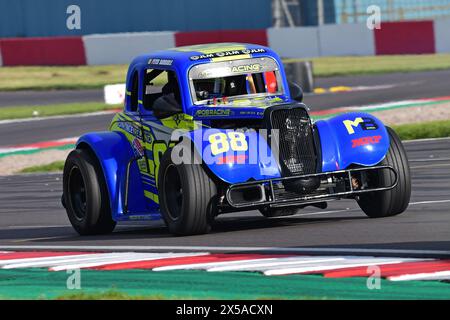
113 152
352 138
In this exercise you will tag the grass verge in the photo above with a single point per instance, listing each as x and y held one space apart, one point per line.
109 295
51 167
21 112
433 129
66 77
423 130
94 77
38 283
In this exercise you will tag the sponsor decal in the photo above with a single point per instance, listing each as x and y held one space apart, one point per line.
226 54
365 141
256 67
365 123
137 148
247 68
213 112
160 62
232 159
130 128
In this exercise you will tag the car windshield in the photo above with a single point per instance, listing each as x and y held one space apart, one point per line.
223 83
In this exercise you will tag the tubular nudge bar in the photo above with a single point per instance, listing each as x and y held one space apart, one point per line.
333 185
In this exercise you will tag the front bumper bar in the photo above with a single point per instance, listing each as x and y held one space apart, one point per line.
333 185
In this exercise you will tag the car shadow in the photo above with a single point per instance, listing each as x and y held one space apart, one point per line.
224 225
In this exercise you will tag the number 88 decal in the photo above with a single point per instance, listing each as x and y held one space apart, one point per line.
221 142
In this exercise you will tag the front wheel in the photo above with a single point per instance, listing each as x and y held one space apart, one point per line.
187 197
395 201
85 195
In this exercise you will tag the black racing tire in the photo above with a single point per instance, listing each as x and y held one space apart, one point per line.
85 194
395 201
272 212
187 197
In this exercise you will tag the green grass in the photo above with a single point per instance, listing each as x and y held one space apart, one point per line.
66 77
334 66
433 129
109 295
38 283
51 167
20 112
91 77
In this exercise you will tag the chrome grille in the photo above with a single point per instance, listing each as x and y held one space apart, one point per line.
296 142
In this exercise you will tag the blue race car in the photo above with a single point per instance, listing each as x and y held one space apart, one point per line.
212 129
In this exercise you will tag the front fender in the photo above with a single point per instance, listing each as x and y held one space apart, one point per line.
113 152
256 162
352 138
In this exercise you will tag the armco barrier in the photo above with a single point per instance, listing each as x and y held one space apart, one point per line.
410 37
406 37
346 40
121 48
299 42
201 37
43 51
442 35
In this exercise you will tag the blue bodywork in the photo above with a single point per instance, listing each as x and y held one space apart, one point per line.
347 139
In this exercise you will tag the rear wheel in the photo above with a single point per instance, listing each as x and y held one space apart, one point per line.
394 201
187 197
85 195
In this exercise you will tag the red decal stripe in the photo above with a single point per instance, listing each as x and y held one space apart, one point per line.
395 269
150 264
47 144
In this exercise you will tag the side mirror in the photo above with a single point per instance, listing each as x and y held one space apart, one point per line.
296 92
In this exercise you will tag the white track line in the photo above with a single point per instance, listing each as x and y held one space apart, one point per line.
440 275
46 262
306 269
431 166
40 259
206 265
93 260
425 140
78 115
429 202
429 160
232 249
255 266
135 258
315 264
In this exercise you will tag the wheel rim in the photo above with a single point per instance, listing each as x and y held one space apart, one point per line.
77 193
173 192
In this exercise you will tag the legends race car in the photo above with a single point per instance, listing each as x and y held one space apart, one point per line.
212 129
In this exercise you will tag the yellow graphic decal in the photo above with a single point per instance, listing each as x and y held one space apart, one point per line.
221 142
349 124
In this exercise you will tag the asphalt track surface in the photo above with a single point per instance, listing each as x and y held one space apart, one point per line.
31 215
400 86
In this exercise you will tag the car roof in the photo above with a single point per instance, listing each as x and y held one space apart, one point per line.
187 55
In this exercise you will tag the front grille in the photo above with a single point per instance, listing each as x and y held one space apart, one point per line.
295 140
